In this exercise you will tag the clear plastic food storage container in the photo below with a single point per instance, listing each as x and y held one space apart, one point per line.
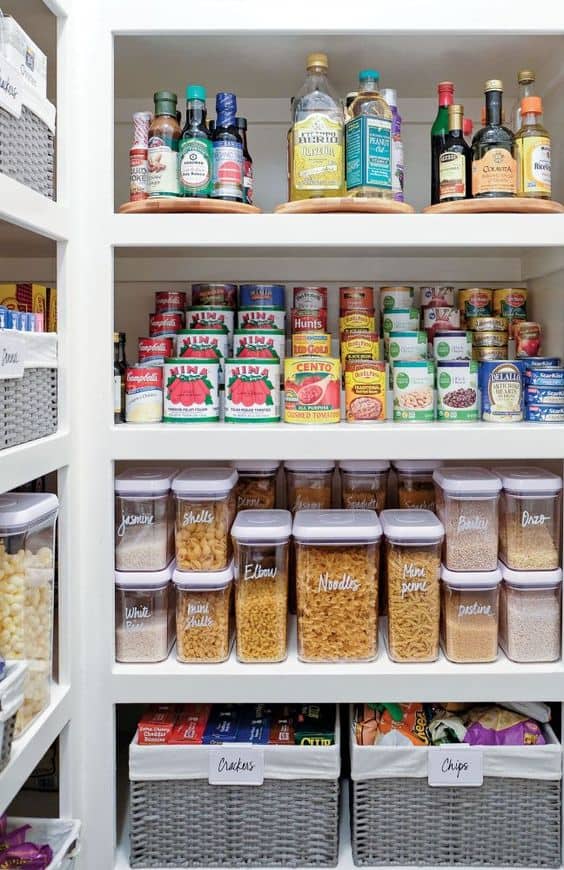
256 489
204 624
415 483
470 615
261 584
413 565
144 524
530 522
337 560
467 503
529 619
205 508
309 484
364 483
144 615
27 573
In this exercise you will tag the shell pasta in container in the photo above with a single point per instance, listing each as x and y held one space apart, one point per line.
205 508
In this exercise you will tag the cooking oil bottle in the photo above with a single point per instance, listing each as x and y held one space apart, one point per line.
369 141
533 148
317 136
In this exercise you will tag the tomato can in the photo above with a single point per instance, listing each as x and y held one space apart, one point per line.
212 317
191 391
199 344
311 344
153 351
312 389
351 298
261 318
215 294
170 300
143 394
365 392
262 296
308 321
310 298
165 324
252 391
259 344
510 302
528 338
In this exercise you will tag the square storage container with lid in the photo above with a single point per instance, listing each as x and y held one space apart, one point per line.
204 625
261 542
467 503
530 615
415 483
205 508
470 615
413 563
530 522
27 573
256 488
144 525
337 561
364 483
309 484
144 615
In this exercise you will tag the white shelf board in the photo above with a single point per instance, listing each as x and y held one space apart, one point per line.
28 749
33 459
23 207
60 8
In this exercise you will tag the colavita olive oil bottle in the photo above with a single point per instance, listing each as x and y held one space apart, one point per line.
494 168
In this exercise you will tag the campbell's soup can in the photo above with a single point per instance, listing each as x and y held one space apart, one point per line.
143 394
170 300
310 298
215 293
352 298
528 337
191 392
165 324
262 296
153 351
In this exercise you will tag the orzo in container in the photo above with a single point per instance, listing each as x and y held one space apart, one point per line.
530 522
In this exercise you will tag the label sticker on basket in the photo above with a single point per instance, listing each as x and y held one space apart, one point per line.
10 88
236 765
11 354
455 765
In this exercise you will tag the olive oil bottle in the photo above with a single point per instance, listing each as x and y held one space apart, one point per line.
494 168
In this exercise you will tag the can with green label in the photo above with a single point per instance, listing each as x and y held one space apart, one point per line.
452 344
413 388
457 391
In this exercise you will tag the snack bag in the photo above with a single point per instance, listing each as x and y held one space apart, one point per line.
495 726
383 726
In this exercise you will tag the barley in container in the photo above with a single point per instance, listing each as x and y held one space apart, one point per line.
467 503
144 521
205 507
530 518
203 615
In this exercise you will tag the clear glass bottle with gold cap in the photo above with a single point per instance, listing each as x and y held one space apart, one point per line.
526 80
369 141
494 168
455 160
317 151
532 141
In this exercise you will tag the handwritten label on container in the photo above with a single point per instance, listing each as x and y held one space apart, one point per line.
11 354
236 765
460 766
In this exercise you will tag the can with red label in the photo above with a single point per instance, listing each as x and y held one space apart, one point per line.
143 394
138 174
170 300
528 337
308 321
310 298
215 293
352 298
152 351
165 324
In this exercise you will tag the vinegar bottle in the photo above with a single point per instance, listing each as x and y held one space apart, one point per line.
533 152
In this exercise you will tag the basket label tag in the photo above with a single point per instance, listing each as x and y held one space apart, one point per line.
236 765
10 88
455 765
11 354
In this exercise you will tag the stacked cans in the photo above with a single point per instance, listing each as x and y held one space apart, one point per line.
261 322
364 371
544 390
308 322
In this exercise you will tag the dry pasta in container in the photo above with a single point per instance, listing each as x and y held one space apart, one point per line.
467 503
256 487
457 391
413 563
364 483
530 523
259 344
144 615
205 508
470 615
396 297
252 391
261 543
416 488
337 560
144 519
452 344
413 389
309 484
204 624
191 391
530 615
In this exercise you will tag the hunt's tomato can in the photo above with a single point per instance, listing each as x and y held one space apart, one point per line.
191 391
143 394
153 351
165 324
252 391
309 321
170 300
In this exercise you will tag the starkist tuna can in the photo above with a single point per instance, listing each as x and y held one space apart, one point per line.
143 394
262 296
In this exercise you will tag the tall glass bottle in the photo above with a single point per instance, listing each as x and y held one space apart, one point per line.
195 152
439 132
398 162
164 134
227 151
526 80
317 139
534 177
118 407
494 168
369 141
455 161
248 174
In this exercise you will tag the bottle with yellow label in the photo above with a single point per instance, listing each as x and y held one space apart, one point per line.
317 148
533 152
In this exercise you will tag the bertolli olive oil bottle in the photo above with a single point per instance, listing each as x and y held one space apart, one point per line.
317 148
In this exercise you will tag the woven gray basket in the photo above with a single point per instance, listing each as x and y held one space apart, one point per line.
189 823
28 407
505 822
27 151
7 738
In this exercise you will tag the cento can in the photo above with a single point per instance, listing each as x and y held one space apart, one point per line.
153 351
252 391
170 300
310 298
215 293
312 390
191 391
165 324
143 394
262 296
501 386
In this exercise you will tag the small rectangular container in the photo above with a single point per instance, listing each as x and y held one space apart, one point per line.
204 624
413 565
256 487
467 504
144 521
205 508
530 615
261 544
144 615
470 615
337 561
309 484
416 489
530 518
364 484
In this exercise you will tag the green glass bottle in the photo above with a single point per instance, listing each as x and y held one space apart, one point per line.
439 133
195 150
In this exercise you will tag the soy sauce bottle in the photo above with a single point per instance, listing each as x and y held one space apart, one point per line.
195 151
227 151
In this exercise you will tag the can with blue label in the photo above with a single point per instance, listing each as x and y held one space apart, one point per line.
544 396
546 377
541 362
544 413
501 385
262 296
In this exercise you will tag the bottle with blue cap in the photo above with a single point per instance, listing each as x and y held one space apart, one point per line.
195 151
227 151
369 141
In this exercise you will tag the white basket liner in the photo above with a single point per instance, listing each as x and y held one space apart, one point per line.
40 350
191 762
61 834
11 689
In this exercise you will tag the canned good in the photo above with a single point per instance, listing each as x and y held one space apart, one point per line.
191 391
252 391
489 339
143 394
457 391
170 300
358 318
308 321
365 392
436 297
311 344
261 318
406 345
510 302
310 298
486 354
197 344
544 395
544 414
551 376
262 296
414 398
512 324
215 294
475 302
400 320
487 324
453 344
440 319
165 325
260 344
501 386
210 317
312 390
351 298
528 337
153 351
358 344
138 173
542 362
394 298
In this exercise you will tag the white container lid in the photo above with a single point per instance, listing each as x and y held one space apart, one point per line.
364 466
529 479
205 480
19 510
412 526
337 526
145 579
462 480
531 579
309 465
262 525
471 579
155 480
203 580
258 466
416 466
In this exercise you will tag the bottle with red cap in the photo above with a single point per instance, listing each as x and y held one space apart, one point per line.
533 147
439 133
467 129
